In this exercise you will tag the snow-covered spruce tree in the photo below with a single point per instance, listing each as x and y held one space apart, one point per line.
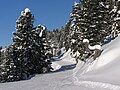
30 43
44 51
96 20
115 18
28 54
90 20
76 35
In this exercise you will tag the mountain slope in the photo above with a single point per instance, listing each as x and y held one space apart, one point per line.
101 74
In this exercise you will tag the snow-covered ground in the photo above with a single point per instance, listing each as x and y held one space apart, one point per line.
101 74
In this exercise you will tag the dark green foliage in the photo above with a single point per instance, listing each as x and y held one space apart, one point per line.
96 20
115 19
28 54
90 20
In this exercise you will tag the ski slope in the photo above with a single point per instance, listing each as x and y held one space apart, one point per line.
101 74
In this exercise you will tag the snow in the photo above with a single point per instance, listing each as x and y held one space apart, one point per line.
118 18
102 4
23 13
114 10
107 6
92 47
41 33
55 66
85 41
20 47
93 25
103 72
109 54
42 29
100 74
73 40
27 10
118 12
72 24
75 3
98 47
3 50
63 50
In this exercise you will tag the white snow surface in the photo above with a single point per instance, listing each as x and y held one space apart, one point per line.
27 10
100 74
55 66
43 28
40 35
94 47
85 41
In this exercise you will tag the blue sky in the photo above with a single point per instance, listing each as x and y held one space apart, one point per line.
52 13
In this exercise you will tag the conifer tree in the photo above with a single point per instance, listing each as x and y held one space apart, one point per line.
27 55
115 18
90 20
30 43
43 51
76 35
96 20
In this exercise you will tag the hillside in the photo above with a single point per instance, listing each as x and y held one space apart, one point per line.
102 74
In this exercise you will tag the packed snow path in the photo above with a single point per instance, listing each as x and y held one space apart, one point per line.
101 74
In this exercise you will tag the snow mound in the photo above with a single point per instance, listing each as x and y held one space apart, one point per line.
55 66
102 73
110 53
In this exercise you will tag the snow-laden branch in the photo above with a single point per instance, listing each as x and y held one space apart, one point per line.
95 48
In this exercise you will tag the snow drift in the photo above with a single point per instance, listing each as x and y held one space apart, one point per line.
104 72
